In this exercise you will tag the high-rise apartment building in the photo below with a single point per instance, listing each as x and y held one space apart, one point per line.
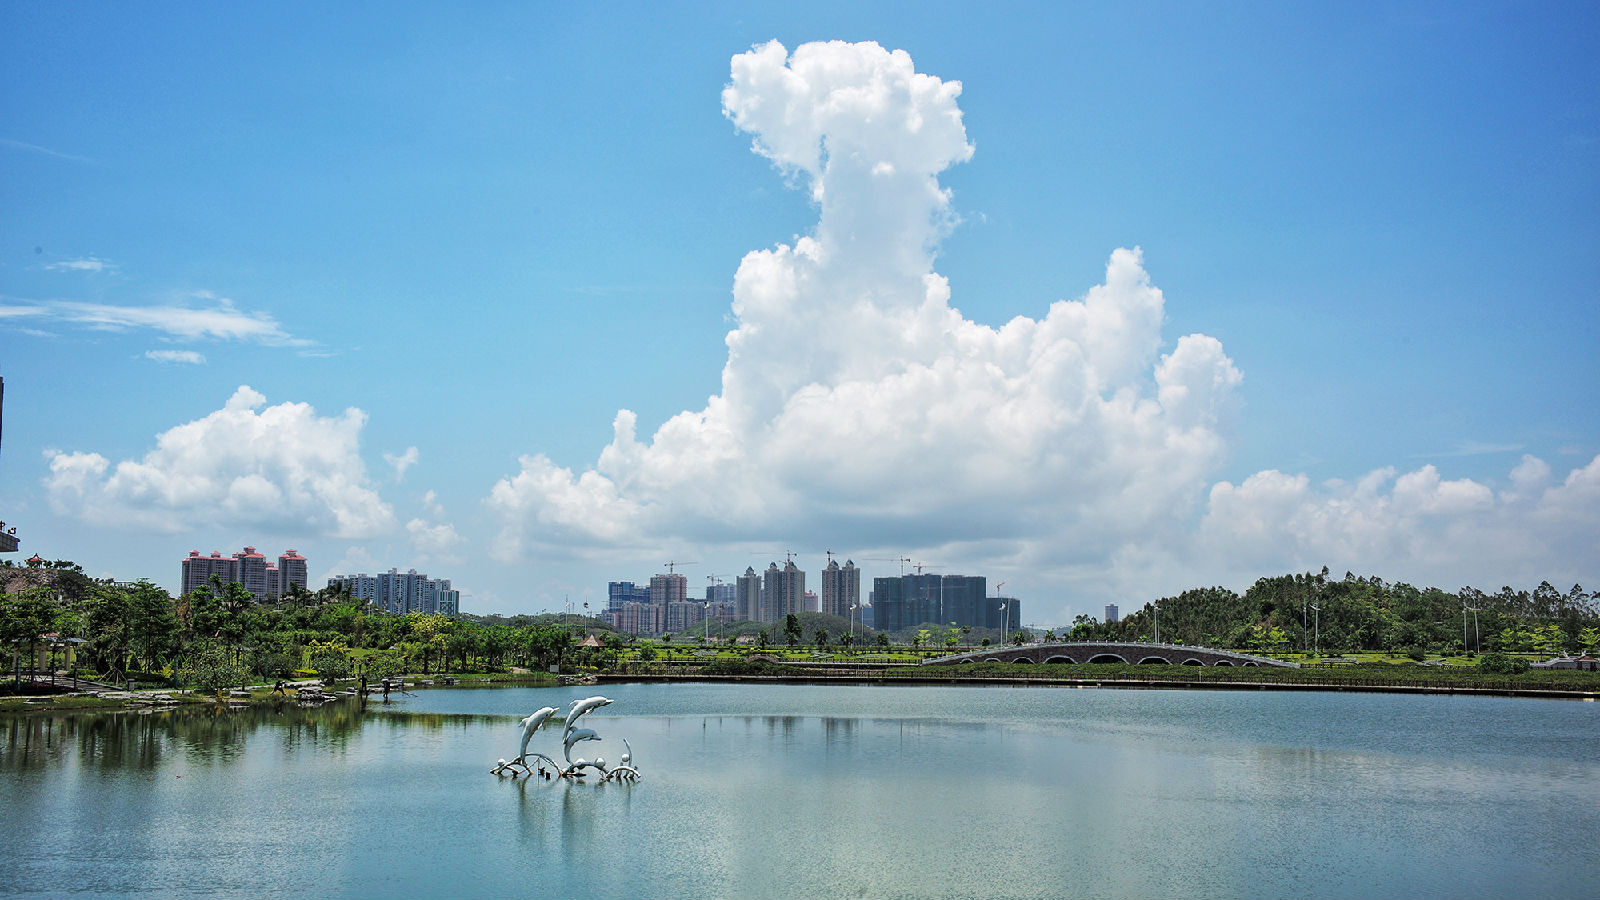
197 569
783 592
402 592
747 595
685 614
642 618
262 579
841 589
620 592
671 588
1111 613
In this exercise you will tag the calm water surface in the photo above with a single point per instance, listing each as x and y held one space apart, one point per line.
809 791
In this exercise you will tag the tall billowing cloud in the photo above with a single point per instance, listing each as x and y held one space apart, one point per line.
858 406
247 465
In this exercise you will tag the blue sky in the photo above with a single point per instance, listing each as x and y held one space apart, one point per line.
482 232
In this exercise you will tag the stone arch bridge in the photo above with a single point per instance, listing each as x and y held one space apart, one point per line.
1096 652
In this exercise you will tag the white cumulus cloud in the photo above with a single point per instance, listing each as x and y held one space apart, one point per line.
857 404
433 543
1414 526
246 464
1073 454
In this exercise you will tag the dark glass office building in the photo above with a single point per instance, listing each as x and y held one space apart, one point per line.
911 600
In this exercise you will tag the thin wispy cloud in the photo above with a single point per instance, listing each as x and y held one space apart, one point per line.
220 320
186 357
46 151
1472 448
86 264
401 462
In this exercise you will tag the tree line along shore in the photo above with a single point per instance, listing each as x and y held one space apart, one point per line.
1349 632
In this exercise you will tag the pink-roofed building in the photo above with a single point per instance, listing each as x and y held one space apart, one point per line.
262 579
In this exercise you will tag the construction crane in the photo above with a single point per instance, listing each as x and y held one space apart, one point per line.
920 566
902 560
673 564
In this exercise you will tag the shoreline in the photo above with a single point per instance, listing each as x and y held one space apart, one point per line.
153 700
1116 684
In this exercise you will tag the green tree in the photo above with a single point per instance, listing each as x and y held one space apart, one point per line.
210 667
383 664
332 661
108 625
821 637
25 616
883 641
791 629
154 627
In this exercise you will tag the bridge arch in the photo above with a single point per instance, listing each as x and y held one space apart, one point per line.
1222 662
1061 659
1191 661
994 659
1155 661
1107 659
1023 659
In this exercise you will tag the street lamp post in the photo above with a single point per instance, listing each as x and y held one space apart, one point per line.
1316 647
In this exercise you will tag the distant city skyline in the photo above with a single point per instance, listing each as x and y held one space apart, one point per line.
1104 302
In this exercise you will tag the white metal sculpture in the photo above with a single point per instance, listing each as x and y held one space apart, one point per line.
523 765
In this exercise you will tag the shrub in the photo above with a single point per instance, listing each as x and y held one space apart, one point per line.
746 667
1501 664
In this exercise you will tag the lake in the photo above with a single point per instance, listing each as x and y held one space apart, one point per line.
811 791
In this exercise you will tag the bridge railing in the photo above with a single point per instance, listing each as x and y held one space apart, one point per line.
1174 649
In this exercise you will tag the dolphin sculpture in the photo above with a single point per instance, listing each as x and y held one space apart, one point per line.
581 708
573 737
534 723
